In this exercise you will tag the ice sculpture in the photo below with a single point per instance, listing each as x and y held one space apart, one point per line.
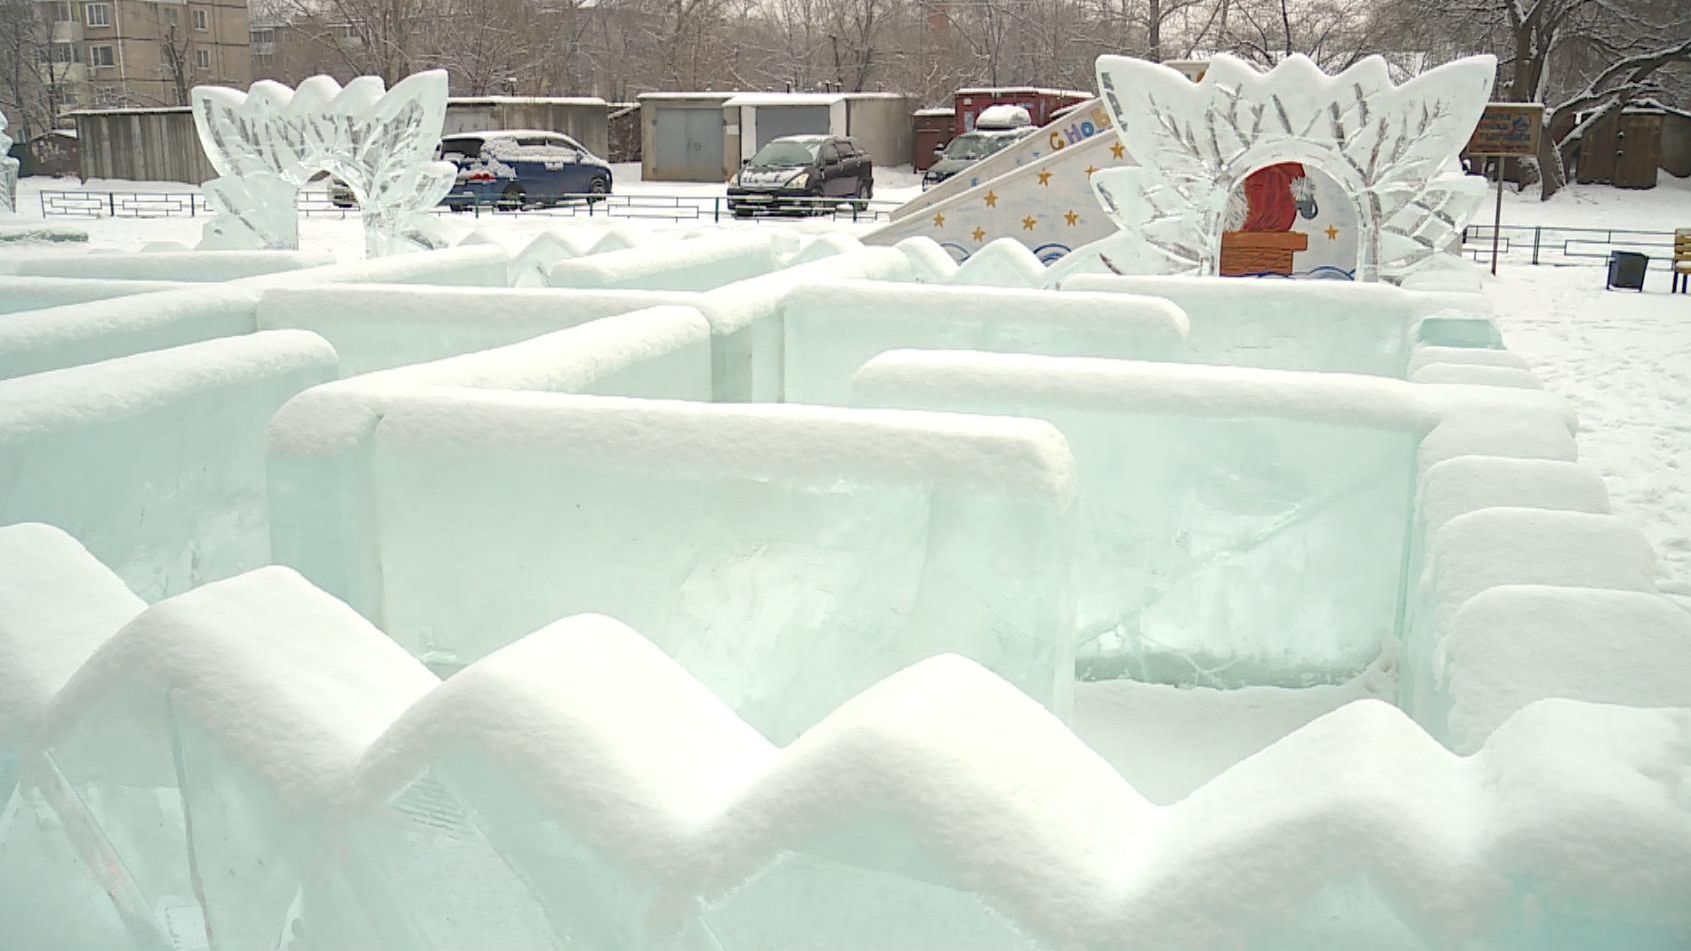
8 172
268 142
1388 147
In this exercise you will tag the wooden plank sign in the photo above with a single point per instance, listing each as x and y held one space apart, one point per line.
1508 128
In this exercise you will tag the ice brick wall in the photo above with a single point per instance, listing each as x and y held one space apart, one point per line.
1236 526
155 461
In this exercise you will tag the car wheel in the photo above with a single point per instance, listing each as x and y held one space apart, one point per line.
597 190
513 198
864 192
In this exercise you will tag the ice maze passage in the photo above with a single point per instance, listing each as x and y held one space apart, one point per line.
651 590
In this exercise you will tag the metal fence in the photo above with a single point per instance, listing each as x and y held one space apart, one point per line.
316 203
1517 244
1536 244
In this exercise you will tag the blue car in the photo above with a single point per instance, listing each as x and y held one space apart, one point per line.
521 169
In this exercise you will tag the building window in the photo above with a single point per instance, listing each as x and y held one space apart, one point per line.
97 14
99 56
263 41
64 13
107 97
347 33
202 59
202 20
66 53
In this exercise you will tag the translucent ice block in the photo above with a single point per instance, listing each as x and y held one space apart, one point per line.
187 769
786 556
698 264
197 266
1236 526
156 461
36 293
380 326
73 334
1292 325
833 329
321 485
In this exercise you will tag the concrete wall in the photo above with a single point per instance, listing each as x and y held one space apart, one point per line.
142 145
881 124
581 119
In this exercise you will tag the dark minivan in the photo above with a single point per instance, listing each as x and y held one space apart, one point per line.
806 173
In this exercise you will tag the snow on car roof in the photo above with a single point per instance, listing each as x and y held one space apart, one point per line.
500 133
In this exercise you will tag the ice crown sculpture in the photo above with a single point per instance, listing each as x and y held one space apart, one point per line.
267 143
1389 147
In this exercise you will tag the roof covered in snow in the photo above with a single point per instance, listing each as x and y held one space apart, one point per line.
786 99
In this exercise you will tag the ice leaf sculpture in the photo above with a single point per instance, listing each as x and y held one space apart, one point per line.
1387 146
8 172
269 141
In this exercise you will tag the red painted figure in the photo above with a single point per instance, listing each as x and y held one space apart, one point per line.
1268 192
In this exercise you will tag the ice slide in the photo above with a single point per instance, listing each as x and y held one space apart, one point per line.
1038 191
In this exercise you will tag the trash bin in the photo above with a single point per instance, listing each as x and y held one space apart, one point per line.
1626 269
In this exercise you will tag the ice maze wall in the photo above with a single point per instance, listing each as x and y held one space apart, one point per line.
544 596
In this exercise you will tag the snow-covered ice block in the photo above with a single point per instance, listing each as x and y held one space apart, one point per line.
932 264
1509 434
36 293
1004 262
74 334
197 266
481 826
1477 375
1513 645
1425 356
1459 328
746 318
1292 325
824 246
698 264
1469 483
832 329
57 604
471 266
156 461
1493 547
379 326
942 809
1235 525
1513 545
193 762
322 505
787 556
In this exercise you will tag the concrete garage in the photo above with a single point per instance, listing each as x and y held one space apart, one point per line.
880 122
703 137
686 137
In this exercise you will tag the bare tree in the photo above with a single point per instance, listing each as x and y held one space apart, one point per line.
34 71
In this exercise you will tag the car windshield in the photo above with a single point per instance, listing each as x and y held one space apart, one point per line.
970 146
458 150
785 154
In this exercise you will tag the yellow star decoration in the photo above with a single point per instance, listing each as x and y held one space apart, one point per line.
939 221
1044 178
992 199
1332 233
1090 169
1118 150
980 233
1072 218
1029 223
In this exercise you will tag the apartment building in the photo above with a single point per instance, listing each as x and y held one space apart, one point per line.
140 53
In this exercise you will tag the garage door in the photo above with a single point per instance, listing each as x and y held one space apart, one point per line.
689 144
776 121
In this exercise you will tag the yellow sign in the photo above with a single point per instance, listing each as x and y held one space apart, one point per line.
1508 128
